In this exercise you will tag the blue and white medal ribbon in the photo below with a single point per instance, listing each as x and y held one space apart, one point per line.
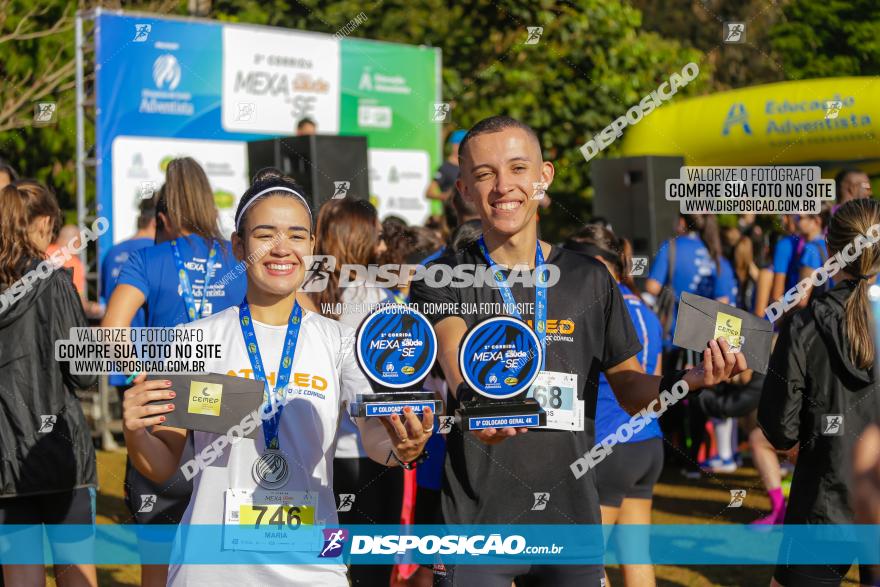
540 295
271 470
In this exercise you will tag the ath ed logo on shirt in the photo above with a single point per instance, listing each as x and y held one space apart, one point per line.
334 542
729 327
204 398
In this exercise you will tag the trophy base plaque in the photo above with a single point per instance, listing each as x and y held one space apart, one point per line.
371 405
480 415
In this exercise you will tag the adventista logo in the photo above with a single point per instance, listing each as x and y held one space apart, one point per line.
166 72
737 115
380 82
165 98
334 542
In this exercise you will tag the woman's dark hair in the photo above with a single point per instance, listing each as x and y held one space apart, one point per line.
596 240
266 173
407 244
706 225
266 185
22 202
420 243
8 170
465 234
346 230
187 200
854 219
395 233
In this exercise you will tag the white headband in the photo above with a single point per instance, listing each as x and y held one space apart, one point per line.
266 191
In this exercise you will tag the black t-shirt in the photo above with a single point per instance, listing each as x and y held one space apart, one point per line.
588 330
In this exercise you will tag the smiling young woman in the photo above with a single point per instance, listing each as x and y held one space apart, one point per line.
270 337
180 279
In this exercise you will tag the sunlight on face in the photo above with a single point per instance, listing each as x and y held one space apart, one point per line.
498 174
274 243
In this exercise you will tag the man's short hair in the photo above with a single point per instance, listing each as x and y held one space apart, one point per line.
464 210
840 178
146 213
305 121
494 124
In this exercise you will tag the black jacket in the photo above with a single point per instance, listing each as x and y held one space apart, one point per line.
810 378
33 384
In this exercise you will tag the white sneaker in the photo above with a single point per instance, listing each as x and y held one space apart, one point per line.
717 465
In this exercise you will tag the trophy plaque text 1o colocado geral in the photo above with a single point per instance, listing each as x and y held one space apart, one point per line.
499 359
395 348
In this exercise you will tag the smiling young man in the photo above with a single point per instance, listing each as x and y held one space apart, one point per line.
495 476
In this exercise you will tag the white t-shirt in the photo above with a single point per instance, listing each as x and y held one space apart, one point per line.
359 300
323 380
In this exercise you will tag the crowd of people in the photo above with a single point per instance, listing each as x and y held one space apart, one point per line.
274 326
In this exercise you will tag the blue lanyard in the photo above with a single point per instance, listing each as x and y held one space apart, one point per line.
186 289
270 425
540 295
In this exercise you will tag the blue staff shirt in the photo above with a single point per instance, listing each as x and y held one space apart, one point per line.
111 267
694 272
154 273
609 415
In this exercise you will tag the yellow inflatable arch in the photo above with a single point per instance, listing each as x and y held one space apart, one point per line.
831 122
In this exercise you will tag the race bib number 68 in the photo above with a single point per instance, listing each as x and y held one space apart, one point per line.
557 394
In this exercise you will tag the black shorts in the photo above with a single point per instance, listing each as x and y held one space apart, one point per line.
732 401
429 507
525 575
76 506
830 575
378 497
158 504
631 470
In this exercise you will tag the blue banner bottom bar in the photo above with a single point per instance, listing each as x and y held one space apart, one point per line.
721 544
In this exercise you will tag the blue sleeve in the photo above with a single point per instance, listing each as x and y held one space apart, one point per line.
134 273
725 283
660 266
811 257
655 339
782 255
106 290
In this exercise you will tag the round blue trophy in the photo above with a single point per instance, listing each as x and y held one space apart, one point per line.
395 348
499 359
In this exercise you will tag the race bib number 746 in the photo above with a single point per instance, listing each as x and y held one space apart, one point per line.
289 516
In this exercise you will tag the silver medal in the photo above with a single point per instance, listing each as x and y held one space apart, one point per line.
271 470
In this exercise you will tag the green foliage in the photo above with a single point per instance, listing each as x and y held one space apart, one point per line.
46 153
700 24
829 38
594 60
591 64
